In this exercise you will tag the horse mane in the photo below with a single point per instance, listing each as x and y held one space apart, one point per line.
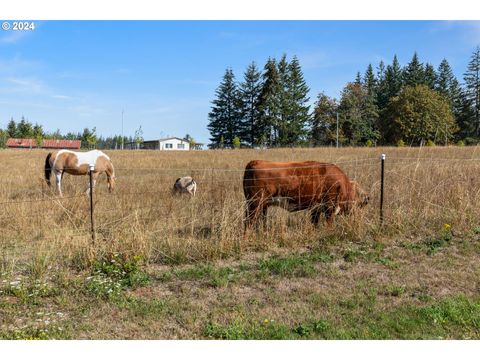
48 168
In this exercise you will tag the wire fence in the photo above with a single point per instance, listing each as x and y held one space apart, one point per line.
71 215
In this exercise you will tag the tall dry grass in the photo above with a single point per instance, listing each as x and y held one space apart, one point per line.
424 188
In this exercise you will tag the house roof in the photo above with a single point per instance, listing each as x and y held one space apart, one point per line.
46 144
21 143
61 144
165 139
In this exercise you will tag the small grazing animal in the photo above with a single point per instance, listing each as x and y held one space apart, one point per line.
77 163
185 185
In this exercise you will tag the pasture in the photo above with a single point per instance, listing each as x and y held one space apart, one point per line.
166 266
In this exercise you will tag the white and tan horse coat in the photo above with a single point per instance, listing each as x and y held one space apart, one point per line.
78 163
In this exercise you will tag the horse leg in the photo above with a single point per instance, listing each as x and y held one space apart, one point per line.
110 178
58 181
94 181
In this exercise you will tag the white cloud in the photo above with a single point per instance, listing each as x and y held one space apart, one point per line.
62 97
17 64
12 37
470 29
28 85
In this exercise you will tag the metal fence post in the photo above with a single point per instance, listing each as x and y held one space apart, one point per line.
92 218
382 157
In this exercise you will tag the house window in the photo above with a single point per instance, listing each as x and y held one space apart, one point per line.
181 146
168 146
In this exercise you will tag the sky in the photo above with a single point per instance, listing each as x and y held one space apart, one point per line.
69 75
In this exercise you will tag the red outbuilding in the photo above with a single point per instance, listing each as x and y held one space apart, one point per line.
46 144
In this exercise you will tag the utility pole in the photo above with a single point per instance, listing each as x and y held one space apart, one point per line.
122 129
337 129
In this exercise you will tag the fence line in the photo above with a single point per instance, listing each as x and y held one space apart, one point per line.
208 177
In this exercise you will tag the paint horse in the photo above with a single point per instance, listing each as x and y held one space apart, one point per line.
78 163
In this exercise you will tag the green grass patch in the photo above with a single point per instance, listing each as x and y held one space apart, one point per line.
34 334
394 290
452 318
112 275
350 255
216 277
266 330
30 292
240 330
152 309
290 266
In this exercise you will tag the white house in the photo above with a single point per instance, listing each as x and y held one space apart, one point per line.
171 143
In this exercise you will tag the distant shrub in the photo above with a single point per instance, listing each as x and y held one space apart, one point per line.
236 142
460 143
369 143
430 143
471 141
400 143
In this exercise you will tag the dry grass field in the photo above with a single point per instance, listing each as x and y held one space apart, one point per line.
167 266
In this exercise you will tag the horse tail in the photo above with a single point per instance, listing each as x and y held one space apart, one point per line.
48 168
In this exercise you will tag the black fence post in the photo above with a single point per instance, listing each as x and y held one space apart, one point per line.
92 218
382 158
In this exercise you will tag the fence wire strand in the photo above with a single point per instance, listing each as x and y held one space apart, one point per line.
112 213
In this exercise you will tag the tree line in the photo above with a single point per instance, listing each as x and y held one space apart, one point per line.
25 129
392 105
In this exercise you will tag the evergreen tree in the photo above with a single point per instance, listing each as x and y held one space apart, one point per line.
323 121
225 116
72 136
285 102
56 135
430 76
464 116
445 80
390 88
382 92
358 78
414 72
370 111
393 78
369 81
447 85
38 130
381 71
12 129
25 128
358 118
269 105
297 115
472 83
250 90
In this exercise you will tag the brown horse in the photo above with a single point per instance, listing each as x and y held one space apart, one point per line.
78 163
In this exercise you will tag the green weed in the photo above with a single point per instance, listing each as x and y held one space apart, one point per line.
113 275
291 266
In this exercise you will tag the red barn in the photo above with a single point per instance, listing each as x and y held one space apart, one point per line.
46 144
21 143
61 144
